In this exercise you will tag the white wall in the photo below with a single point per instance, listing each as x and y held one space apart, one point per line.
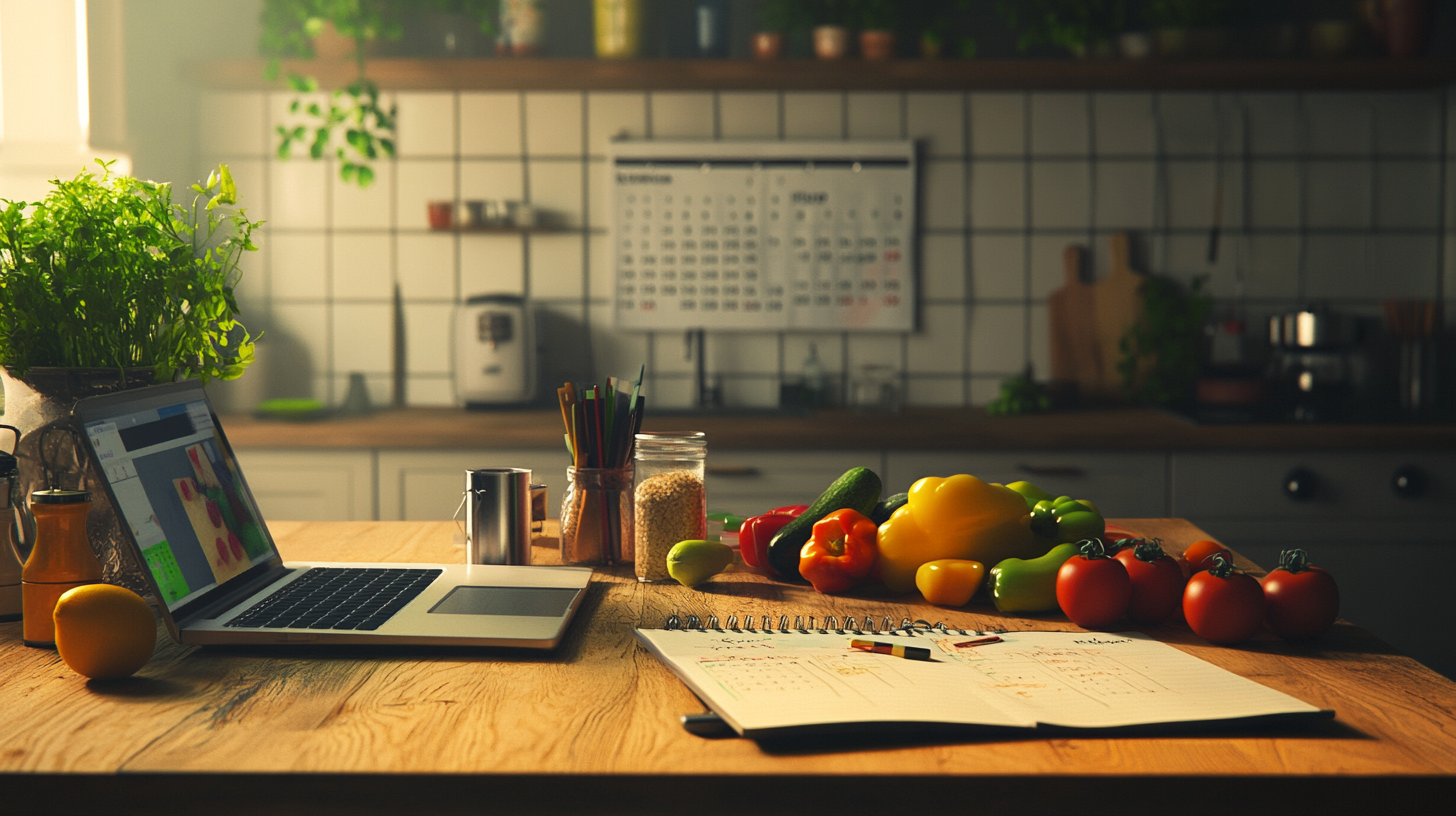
1343 199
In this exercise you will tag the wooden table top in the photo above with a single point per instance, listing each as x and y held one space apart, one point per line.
594 725
914 429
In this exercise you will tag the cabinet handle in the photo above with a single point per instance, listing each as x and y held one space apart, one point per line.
1052 470
1301 484
733 471
1408 482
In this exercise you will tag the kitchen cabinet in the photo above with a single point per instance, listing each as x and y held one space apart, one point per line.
1390 547
312 485
418 485
748 482
1129 485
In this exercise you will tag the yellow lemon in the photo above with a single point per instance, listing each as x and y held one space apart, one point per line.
104 631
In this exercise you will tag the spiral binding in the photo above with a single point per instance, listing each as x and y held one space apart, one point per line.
806 624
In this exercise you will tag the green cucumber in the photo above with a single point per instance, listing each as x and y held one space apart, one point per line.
858 489
887 508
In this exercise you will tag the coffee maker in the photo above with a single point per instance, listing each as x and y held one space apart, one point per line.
1316 364
495 351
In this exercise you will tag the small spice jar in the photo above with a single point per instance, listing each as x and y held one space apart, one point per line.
61 559
670 499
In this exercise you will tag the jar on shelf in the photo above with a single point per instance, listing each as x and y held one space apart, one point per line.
670 498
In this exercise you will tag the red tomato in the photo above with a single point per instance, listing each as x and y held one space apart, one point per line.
1093 592
1157 583
1300 601
1199 552
1223 606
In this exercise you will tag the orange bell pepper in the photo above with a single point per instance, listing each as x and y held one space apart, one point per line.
840 552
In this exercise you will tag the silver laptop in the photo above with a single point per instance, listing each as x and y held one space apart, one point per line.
185 507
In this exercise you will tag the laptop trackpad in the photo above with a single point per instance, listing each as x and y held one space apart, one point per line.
535 602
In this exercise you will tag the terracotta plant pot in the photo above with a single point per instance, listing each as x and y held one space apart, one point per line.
931 46
831 42
877 44
768 45
42 399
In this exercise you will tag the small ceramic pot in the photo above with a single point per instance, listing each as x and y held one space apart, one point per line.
831 42
1135 45
931 47
877 44
1330 39
768 45
441 214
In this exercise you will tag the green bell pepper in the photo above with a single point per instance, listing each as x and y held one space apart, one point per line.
1029 585
1066 520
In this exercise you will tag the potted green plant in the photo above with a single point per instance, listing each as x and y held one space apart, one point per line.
108 284
1084 27
831 31
775 19
1188 28
877 20
296 28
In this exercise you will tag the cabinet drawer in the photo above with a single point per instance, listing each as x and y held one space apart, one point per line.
1345 486
310 486
428 485
1124 485
749 482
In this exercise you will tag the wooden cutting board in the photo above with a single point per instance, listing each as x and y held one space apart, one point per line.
1076 355
1117 303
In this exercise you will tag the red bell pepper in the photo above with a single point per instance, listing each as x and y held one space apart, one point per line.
754 535
791 509
841 551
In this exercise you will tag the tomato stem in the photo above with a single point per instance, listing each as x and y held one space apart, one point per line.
1295 560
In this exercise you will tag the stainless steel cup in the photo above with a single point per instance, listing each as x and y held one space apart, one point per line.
498 516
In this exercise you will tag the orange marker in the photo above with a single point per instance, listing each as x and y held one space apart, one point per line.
907 652
980 641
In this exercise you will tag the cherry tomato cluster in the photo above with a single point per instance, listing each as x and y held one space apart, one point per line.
1136 580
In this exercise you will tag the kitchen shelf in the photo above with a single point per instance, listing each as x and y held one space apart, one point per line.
504 230
851 74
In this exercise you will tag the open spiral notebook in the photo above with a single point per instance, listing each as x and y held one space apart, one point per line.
770 681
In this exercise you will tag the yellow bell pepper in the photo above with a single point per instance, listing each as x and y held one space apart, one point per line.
958 517
949 581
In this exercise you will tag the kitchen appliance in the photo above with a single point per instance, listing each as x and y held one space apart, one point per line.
1313 363
495 351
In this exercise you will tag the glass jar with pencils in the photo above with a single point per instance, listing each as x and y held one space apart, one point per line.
596 511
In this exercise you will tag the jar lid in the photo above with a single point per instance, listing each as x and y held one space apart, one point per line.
673 436
9 465
58 496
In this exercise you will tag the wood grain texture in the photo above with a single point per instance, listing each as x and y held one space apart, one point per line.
853 74
1076 355
1118 303
913 429
593 726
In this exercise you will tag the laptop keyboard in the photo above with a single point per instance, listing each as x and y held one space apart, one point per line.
358 598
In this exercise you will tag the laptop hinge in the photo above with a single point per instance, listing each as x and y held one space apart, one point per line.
216 609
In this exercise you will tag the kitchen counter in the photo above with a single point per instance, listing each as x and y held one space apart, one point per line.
914 429
593 727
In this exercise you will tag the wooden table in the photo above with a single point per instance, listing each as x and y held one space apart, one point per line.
593 727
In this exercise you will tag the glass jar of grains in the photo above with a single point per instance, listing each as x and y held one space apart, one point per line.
670 500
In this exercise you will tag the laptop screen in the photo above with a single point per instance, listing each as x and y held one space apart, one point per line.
178 487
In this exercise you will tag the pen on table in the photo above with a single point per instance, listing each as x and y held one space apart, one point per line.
907 652
980 641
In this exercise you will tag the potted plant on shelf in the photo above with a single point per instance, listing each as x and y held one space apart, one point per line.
1086 28
877 20
831 32
108 284
775 19
299 28
1188 28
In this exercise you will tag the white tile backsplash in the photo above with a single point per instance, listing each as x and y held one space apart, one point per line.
813 115
553 123
874 115
998 124
492 264
362 266
614 115
356 207
938 122
682 115
490 124
426 266
299 192
1059 124
300 266
748 115
426 124
322 286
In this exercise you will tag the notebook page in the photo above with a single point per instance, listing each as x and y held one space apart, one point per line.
1091 680
767 680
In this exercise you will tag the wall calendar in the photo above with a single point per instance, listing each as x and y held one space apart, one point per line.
764 235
